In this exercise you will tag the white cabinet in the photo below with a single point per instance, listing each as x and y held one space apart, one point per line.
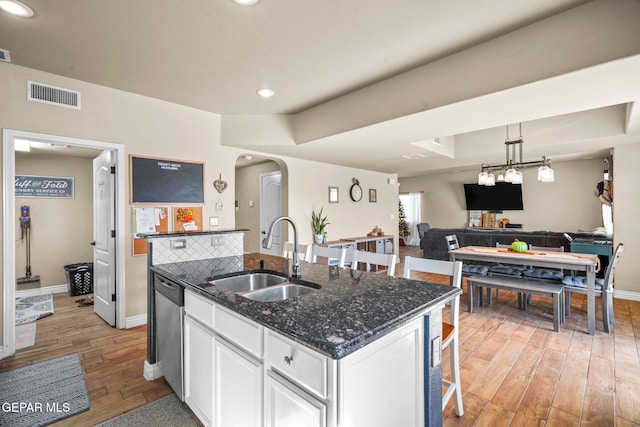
223 373
238 373
382 384
238 387
288 406
199 343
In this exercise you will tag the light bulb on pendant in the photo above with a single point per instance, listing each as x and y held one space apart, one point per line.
482 178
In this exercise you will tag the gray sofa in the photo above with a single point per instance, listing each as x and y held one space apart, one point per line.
434 246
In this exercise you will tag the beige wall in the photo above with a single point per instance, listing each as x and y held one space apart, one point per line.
146 126
308 190
626 205
61 229
248 189
569 204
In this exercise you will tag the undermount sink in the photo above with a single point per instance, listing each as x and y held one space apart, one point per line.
279 292
248 282
264 287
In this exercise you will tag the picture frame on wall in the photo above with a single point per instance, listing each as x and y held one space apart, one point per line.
333 194
373 195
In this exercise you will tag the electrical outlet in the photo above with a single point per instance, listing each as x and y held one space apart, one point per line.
217 240
213 221
178 244
436 351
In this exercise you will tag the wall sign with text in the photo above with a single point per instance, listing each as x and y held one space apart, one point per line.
56 187
166 180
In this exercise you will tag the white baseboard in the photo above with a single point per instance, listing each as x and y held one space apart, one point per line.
631 296
151 372
133 321
55 289
4 352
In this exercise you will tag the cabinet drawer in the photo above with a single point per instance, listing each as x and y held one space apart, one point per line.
199 308
301 365
242 332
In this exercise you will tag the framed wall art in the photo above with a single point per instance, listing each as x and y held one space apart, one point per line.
333 194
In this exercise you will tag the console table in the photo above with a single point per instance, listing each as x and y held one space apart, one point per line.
382 244
592 246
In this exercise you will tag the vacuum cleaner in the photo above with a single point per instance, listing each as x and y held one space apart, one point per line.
25 227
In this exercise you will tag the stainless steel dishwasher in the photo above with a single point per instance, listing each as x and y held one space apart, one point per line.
169 326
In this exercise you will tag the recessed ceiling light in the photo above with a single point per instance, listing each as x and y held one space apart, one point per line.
247 157
245 2
265 93
16 8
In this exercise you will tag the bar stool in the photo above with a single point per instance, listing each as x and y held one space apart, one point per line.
450 335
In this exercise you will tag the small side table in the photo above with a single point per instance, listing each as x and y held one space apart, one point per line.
597 247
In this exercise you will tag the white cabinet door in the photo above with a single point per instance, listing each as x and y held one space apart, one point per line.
288 406
199 346
238 387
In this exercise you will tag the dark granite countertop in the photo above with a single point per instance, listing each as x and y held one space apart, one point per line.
352 308
191 233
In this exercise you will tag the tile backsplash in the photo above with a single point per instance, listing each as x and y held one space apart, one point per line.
179 248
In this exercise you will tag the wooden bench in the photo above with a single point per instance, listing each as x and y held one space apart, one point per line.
523 287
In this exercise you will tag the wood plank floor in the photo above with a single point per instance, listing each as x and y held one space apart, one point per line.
112 359
515 370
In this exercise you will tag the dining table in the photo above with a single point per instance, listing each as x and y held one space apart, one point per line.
589 263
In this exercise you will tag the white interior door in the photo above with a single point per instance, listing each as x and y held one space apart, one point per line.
270 210
104 265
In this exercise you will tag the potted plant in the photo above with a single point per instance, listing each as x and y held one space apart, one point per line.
319 225
403 226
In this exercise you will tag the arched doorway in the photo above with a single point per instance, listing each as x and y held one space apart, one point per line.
261 193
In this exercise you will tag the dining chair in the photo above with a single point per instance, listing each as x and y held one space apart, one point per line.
332 255
604 289
547 248
304 251
374 259
422 228
450 329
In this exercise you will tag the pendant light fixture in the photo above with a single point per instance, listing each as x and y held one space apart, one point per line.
512 167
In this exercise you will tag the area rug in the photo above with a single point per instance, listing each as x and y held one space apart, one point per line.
43 393
25 335
29 309
168 411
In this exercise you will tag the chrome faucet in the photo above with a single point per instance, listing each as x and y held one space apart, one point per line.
267 241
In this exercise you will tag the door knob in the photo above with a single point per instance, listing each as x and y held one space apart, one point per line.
93 243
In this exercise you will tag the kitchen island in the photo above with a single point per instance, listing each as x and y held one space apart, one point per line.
363 349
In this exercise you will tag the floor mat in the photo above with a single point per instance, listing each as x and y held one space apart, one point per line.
43 393
29 309
25 335
168 411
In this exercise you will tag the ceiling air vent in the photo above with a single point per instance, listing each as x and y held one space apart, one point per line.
40 92
4 55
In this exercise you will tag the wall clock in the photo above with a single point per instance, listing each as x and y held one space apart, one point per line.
355 191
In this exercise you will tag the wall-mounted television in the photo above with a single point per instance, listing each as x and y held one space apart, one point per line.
501 197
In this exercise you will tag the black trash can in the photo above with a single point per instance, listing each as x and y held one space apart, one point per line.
80 278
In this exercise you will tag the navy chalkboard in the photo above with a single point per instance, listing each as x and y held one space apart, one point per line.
166 181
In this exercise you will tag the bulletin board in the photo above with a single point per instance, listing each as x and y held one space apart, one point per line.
148 220
187 218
